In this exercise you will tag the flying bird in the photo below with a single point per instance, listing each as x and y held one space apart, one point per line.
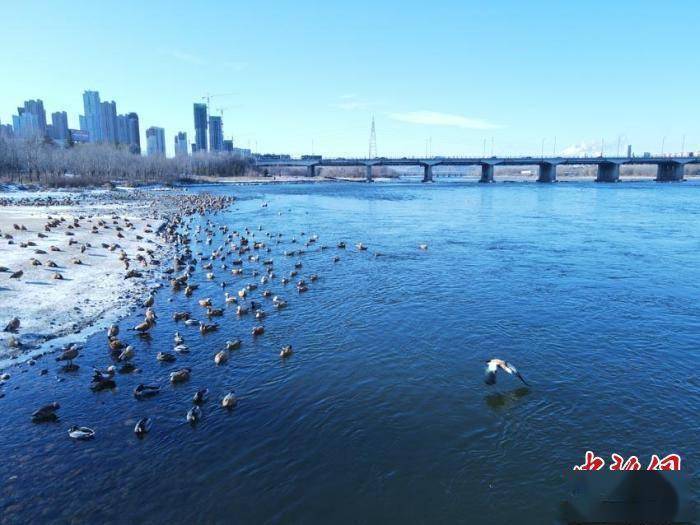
492 366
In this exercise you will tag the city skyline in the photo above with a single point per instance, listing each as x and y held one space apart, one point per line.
448 80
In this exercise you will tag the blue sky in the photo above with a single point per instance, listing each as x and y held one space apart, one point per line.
449 74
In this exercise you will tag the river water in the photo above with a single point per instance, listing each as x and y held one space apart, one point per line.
381 414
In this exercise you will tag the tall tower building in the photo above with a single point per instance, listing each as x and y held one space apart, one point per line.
134 134
216 134
59 124
181 144
108 122
200 126
155 141
93 118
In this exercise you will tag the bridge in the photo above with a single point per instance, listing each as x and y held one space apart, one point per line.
669 169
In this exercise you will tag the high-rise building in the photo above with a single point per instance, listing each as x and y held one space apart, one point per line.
155 141
123 130
83 123
59 126
93 116
629 151
30 120
228 146
108 121
216 134
6 131
200 126
181 144
134 134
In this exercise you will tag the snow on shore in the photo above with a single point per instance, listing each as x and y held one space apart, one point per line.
91 294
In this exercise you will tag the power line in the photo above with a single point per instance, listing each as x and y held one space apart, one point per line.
372 142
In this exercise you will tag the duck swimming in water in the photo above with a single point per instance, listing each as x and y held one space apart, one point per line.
165 357
178 339
81 433
221 357
143 391
233 345
286 351
46 413
194 414
200 396
143 426
229 401
180 376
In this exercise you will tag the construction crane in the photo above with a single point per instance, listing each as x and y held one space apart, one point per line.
209 96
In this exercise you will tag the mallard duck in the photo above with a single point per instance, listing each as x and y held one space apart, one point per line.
81 433
200 396
194 414
221 357
180 376
143 426
229 401
206 328
144 391
165 357
46 413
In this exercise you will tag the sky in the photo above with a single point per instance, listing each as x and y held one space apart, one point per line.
442 77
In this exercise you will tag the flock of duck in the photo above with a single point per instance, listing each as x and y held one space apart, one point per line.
246 256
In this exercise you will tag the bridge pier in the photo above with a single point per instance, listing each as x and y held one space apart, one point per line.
311 170
427 173
368 173
608 172
548 172
670 172
486 173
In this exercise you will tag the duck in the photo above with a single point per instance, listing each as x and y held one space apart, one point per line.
278 302
143 391
241 310
258 330
69 354
178 339
360 246
192 322
205 302
230 298
144 326
181 349
206 328
233 345
229 401
180 376
423 247
13 325
286 351
46 413
81 433
200 396
112 331
221 357
149 301
165 357
143 426
215 312
194 414
126 354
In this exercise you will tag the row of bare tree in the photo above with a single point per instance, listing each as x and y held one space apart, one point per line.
37 161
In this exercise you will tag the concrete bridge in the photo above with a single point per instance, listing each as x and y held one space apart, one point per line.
668 168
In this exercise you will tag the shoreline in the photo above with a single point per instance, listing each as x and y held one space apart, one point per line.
73 272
